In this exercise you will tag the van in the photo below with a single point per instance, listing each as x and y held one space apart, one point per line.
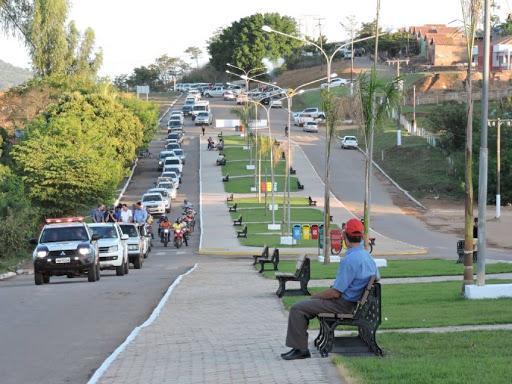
201 106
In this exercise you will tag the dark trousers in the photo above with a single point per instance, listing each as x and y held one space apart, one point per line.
303 311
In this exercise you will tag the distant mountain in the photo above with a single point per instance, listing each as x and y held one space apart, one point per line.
11 75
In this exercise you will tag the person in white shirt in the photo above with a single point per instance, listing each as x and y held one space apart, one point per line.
126 214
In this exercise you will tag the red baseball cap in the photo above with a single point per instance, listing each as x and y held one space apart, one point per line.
354 227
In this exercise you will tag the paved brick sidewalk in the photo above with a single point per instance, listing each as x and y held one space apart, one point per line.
222 324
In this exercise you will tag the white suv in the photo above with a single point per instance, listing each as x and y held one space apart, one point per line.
113 247
349 142
154 203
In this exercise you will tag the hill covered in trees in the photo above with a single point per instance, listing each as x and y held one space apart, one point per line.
10 75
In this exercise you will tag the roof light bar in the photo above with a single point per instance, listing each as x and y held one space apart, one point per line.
56 220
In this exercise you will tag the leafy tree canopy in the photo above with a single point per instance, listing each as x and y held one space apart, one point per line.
245 45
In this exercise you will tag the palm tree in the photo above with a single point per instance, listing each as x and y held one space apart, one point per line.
373 115
471 12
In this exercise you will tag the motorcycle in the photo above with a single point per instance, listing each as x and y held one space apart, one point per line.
165 235
178 238
190 221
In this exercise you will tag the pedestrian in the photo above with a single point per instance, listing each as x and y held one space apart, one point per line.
286 130
117 212
203 128
140 215
126 214
475 228
354 273
109 216
98 215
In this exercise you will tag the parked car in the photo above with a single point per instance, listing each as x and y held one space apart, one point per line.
336 82
113 247
242 98
154 203
276 103
165 194
173 161
137 244
229 95
204 118
181 154
66 247
214 92
310 126
161 158
349 142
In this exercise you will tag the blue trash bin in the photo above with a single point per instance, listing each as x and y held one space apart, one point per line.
296 232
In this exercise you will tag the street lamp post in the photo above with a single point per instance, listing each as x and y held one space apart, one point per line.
290 93
497 123
329 59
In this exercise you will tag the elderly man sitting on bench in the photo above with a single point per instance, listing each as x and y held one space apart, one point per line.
354 273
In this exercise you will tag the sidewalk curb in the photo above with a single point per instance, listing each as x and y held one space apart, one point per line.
7 275
137 159
295 252
152 317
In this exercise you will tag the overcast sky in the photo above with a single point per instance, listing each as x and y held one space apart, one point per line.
134 32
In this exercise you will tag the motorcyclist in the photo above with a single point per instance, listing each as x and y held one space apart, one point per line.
180 225
187 205
164 224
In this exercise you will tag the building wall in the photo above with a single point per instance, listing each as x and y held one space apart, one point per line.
447 55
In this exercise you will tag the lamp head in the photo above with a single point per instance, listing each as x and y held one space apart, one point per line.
244 77
266 28
334 74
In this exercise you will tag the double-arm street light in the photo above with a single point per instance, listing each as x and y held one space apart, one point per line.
329 59
290 94
246 73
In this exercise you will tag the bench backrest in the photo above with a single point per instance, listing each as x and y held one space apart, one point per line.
303 267
368 308
265 252
275 256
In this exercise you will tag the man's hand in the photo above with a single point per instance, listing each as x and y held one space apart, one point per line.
328 294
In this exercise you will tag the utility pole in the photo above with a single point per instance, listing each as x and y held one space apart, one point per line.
497 123
350 26
397 62
320 40
484 152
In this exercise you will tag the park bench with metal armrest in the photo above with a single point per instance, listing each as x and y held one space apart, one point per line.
299 185
311 202
238 222
233 208
242 233
225 179
274 259
229 198
366 316
302 274
264 255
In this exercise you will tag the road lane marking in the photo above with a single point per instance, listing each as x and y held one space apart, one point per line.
154 315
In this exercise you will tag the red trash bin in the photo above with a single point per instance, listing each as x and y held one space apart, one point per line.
336 241
314 232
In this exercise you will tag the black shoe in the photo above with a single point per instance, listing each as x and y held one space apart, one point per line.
297 354
289 352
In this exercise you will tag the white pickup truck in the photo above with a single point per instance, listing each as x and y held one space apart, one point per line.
309 114
214 92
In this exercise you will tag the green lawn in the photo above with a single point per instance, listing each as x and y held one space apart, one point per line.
426 305
312 99
462 357
396 268
416 166
10 263
236 168
244 184
247 202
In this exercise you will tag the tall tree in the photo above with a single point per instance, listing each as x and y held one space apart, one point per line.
49 48
81 57
471 12
245 45
15 17
169 68
194 53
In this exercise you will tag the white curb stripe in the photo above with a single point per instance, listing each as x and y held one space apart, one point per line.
154 315
200 195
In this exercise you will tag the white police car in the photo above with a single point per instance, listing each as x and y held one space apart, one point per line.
66 247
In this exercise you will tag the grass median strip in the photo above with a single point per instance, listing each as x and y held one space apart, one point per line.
425 305
397 268
459 357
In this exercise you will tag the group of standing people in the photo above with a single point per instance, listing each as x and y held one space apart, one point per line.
121 214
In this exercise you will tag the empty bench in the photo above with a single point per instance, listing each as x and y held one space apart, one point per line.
264 255
238 222
225 179
302 275
230 198
366 316
274 260
242 233
311 202
299 185
233 208
292 171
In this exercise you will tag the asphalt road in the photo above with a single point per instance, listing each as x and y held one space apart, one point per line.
347 184
61 332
